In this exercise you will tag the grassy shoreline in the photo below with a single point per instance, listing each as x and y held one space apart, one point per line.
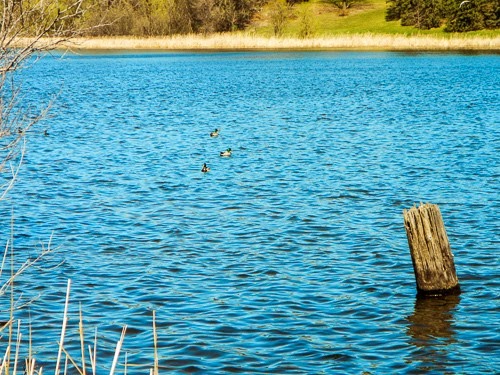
244 41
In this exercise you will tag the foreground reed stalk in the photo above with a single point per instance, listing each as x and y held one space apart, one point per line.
155 341
63 330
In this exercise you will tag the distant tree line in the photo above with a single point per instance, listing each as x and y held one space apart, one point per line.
456 15
167 17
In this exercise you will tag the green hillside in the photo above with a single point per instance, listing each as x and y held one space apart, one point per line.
368 17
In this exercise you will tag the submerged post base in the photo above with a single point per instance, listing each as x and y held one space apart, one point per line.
455 291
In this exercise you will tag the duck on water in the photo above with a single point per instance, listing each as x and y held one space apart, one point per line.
226 153
205 169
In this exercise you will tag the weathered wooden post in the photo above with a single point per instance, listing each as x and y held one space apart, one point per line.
430 251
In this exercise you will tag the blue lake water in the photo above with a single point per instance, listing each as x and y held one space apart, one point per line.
289 257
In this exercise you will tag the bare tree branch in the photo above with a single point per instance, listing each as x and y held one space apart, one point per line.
28 29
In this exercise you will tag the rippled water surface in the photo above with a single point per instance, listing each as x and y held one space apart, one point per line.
289 257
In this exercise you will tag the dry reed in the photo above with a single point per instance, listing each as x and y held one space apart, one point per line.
242 41
7 366
63 330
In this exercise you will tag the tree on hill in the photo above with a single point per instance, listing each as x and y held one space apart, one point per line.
306 22
168 17
422 14
279 12
472 15
345 5
457 15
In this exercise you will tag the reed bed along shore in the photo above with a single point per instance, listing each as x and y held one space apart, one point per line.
233 41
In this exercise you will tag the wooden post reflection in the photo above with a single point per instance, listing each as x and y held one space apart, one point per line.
431 331
432 319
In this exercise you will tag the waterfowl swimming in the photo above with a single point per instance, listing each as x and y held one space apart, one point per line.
215 133
205 169
45 132
226 153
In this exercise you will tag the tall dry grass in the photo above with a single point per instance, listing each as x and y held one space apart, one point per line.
241 41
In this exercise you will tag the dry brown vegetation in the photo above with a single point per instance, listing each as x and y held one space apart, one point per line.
241 41
16 344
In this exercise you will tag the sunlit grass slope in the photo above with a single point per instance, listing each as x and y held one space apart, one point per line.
365 18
